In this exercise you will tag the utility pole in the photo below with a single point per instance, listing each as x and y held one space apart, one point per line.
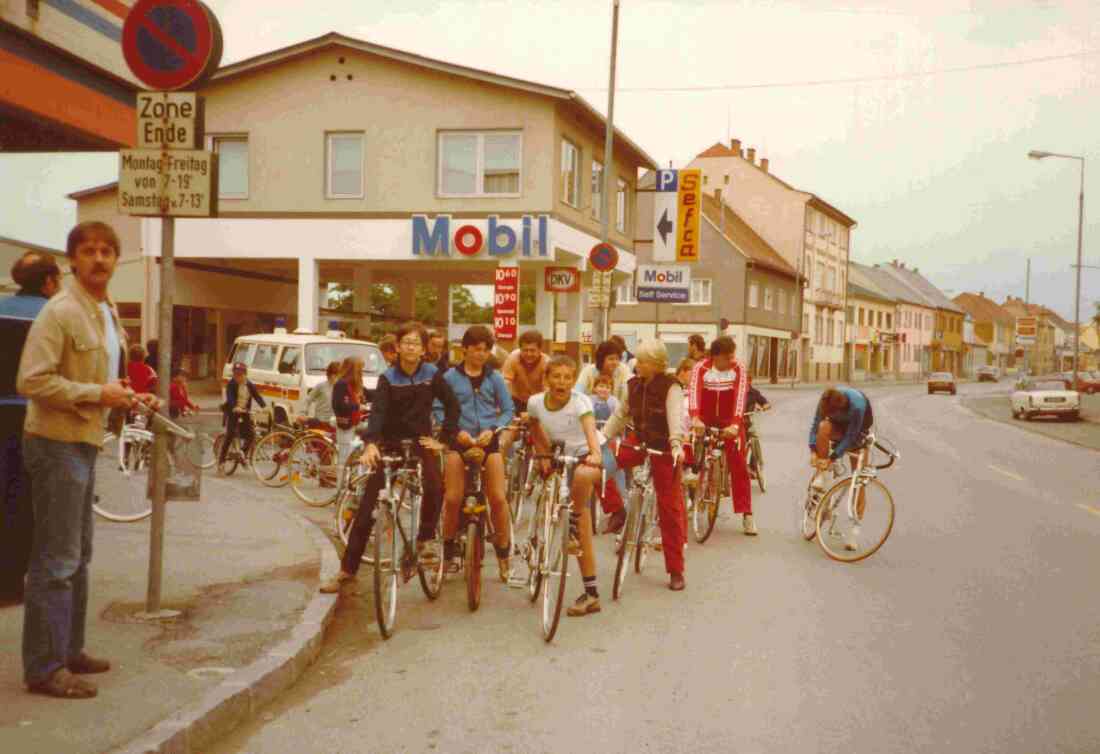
1077 298
601 319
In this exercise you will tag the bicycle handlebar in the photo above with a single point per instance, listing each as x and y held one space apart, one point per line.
161 423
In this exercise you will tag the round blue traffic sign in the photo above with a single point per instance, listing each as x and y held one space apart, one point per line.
604 257
171 44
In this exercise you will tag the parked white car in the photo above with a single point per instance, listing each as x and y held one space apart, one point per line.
1045 398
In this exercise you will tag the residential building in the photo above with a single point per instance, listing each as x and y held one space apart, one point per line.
976 351
345 163
66 85
993 326
915 318
740 287
1090 345
1038 357
812 235
872 341
947 334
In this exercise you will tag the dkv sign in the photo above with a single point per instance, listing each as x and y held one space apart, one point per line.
562 280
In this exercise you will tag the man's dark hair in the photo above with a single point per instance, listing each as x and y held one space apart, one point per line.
413 326
86 230
533 337
723 344
621 341
388 342
698 342
432 335
477 334
832 402
31 271
607 348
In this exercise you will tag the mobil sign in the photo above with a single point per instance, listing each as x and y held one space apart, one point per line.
664 283
494 238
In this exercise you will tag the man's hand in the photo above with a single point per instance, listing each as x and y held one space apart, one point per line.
766 407
821 464
116 395
733 430
431 444
677 456
465 439
697 426
485 438
595 459
149 400
371 457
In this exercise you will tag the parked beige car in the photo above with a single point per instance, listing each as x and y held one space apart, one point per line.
1045 398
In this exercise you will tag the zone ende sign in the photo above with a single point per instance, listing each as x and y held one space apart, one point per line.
498 238
169 120
664 284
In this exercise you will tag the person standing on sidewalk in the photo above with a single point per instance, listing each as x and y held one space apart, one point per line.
71 371
39 278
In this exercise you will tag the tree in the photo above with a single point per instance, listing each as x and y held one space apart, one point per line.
427 298
465 309
527 304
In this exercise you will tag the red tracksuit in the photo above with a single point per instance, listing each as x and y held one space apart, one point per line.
718 400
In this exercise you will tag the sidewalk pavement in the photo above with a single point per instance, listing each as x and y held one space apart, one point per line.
244 573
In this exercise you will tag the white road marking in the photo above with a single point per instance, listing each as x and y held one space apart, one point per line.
1089 508
1008 474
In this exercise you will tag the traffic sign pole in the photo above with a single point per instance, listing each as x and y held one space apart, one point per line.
601 319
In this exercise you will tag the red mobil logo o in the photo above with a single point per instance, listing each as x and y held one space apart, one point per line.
468 240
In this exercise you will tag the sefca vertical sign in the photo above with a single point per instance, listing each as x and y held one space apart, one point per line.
688 207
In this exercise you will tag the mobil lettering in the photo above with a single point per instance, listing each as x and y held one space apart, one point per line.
652 276
437 236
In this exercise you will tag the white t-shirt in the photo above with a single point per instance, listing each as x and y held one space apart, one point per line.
114 348
563 425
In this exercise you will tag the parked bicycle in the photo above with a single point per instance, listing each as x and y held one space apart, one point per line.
314 468
271 453
852 517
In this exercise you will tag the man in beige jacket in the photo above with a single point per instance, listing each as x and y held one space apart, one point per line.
71 371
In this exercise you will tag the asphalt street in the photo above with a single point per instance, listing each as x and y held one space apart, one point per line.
974 629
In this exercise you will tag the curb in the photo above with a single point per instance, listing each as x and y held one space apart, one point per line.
1025 427
244 693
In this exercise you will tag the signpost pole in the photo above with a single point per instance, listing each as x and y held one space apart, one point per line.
160 441
601 319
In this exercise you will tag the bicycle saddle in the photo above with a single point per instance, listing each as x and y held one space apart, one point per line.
474 455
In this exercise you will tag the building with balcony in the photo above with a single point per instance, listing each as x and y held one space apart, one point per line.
345 165
809 233
993 326
947 349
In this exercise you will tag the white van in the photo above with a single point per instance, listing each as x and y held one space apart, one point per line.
284 366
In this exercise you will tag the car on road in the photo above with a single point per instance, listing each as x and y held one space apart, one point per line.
941 382
1087 382
988 374
1045 398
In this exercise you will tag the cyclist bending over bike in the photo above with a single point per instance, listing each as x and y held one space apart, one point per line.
717 398
401 410
563 415
655 405
485 406
840 425
319 411
237 411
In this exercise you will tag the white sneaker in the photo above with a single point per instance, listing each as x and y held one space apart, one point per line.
818 482
748 525
851 542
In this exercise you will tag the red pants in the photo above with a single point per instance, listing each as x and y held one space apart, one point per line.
669 486
740 483
611 499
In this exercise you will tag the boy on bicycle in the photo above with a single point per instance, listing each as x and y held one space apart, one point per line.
485 407
655 406
716 398
563 415
402 410
237 411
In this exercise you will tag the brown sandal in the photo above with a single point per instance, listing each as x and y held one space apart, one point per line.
64 685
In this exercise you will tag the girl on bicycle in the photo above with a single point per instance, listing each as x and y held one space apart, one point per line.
563 415
655 406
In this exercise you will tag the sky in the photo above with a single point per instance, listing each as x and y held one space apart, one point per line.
932 164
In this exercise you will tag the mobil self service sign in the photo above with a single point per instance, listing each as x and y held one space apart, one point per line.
664 283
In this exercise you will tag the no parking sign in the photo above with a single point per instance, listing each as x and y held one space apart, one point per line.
171 44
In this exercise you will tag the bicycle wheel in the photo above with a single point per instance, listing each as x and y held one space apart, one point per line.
626 549
270 458
232 456
431 577
758 464
121 490
206 443
536 542
849 538
385 569
645 523
314 470
705 511
475 552
557 570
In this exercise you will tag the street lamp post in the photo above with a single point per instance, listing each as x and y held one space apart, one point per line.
1039 155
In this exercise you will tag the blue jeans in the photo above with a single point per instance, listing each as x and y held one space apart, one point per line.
56 605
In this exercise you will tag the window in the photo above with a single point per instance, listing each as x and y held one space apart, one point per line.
570 173
819 329
597 189
828 325
242 353
288 362
264 357
889 321
809 269
232 166
754 295
700 291
821 273
769 300
479 164
839 324
620 205
782 301
830 278
843 234
805 323
345 166
624 294
878 319
862 311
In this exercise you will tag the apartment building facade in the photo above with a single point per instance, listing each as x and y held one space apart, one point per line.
872 339
1038 357
947 347
993 326
914 319
813 236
